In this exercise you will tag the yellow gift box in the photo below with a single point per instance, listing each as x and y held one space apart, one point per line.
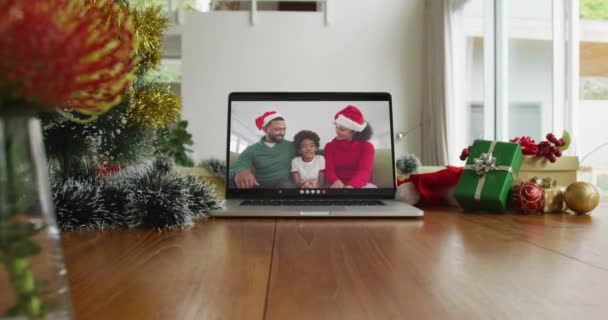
563 170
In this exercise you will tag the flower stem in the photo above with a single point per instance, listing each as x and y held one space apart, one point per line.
16 231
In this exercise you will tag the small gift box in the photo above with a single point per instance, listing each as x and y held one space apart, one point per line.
488 175
554 200
554 195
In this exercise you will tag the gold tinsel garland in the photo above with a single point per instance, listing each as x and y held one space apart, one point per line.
149 24
154 106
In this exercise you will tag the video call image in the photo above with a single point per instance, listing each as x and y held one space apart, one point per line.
310 145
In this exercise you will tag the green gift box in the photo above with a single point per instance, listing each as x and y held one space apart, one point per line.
488 176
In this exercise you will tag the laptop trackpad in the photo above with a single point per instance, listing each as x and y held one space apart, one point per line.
315 213
321 211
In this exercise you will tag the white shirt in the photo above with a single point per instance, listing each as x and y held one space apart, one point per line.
309 171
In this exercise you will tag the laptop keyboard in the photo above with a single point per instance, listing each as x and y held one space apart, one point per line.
312 203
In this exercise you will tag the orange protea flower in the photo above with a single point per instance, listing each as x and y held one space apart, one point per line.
66 54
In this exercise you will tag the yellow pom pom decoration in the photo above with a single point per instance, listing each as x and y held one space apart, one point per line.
154 106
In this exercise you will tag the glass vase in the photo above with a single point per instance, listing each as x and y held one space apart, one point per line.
32 273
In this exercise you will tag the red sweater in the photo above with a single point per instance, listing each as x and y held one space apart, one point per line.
349 161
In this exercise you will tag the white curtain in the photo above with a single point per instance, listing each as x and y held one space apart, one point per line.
440 92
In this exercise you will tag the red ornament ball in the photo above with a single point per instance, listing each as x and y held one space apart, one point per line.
528 197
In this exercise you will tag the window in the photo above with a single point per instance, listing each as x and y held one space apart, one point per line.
533 67
238 144
525 117
529 69
470 55
506 48
592 110
234 142
242 146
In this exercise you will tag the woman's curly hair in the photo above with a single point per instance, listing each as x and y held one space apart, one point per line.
306 134
364 135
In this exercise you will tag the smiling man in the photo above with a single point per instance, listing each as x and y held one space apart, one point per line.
265 164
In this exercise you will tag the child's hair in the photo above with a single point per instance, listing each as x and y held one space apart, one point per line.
364 135
306 134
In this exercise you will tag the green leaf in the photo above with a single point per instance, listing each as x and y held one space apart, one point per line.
174 142
12 312
567 139
16 231
35 307
23 248
18 266
26 282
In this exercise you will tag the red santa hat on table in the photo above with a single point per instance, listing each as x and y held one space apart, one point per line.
430 189
351 118
265 119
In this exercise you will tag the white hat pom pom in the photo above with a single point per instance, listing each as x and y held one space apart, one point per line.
408 193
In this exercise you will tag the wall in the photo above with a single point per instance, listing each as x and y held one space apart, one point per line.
369 46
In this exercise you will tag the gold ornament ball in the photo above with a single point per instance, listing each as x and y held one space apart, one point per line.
581 197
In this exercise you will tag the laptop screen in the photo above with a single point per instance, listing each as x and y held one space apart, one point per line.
310 145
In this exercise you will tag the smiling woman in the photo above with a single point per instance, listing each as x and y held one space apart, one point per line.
350 157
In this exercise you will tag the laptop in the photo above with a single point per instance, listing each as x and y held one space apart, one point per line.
310 154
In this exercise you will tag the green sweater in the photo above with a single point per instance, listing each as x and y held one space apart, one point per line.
268 164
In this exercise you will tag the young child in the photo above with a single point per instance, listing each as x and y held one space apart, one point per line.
307 170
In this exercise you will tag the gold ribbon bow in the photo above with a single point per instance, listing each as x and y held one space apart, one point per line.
483 165
545 183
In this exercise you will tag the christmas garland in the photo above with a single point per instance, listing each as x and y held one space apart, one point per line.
148 195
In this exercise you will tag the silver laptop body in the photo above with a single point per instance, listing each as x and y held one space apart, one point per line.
315 112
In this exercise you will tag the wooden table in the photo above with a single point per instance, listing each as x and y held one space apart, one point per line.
448 265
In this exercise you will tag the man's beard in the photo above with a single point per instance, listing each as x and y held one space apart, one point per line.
276 139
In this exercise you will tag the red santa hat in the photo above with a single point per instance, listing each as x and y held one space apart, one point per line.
265 119
351 118
430 189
